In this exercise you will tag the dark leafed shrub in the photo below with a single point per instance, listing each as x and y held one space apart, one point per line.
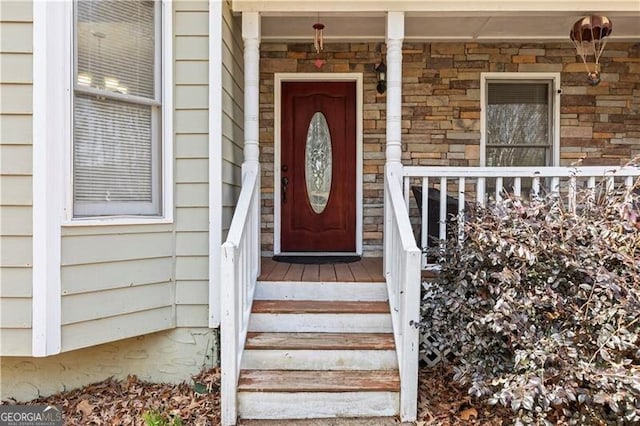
540 308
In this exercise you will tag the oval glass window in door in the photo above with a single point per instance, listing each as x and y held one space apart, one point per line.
318 162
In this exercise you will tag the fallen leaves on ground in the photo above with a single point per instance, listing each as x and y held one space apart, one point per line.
122 402
441 402
469 414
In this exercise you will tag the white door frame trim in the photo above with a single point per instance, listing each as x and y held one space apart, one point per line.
279 78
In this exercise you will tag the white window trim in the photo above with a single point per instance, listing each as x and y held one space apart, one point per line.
546 76
166 132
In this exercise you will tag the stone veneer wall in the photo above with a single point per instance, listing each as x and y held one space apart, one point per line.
441 107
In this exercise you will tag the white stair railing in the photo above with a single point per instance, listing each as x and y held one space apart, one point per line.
402 271
240 268
456 186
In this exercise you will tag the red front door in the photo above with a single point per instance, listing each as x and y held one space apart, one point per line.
318 167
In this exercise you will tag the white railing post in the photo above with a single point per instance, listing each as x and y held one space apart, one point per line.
386 231
401 254
499 188
481 190
239 271
461 209
535 187
395 37
572 194
410 335
251 38
403 263
228 335
392 171
240 259
424 220
517 186
257 243
442 229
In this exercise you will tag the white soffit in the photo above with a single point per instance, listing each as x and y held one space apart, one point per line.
337 28
535 27
465 6
552 28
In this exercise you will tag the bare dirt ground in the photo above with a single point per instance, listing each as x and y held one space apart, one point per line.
123 402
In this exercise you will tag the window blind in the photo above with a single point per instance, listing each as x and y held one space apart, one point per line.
518 93
113 150
116 146
116 46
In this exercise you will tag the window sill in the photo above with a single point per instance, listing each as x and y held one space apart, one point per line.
116 220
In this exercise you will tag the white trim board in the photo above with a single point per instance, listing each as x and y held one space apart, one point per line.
215 159
554 77
279 78
52 29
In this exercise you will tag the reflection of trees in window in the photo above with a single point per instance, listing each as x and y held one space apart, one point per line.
517 124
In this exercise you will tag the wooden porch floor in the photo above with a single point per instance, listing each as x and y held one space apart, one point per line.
368 269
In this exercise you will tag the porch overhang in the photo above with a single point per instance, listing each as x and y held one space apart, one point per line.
454 20
431 6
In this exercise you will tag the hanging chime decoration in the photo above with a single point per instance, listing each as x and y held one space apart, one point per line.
589 36
318 42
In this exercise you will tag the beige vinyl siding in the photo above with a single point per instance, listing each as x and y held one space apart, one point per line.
117 327
191 171
16 224
117 282
15 341
124 281
232 113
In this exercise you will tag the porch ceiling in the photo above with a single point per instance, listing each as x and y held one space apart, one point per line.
441 26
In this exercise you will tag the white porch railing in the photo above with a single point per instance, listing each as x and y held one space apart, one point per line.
240 268
451 187
402 271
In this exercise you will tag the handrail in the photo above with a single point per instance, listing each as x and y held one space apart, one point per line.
477 172
402 271
240 267
472 182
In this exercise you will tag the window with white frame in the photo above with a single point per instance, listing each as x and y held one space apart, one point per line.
520 120
117 108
